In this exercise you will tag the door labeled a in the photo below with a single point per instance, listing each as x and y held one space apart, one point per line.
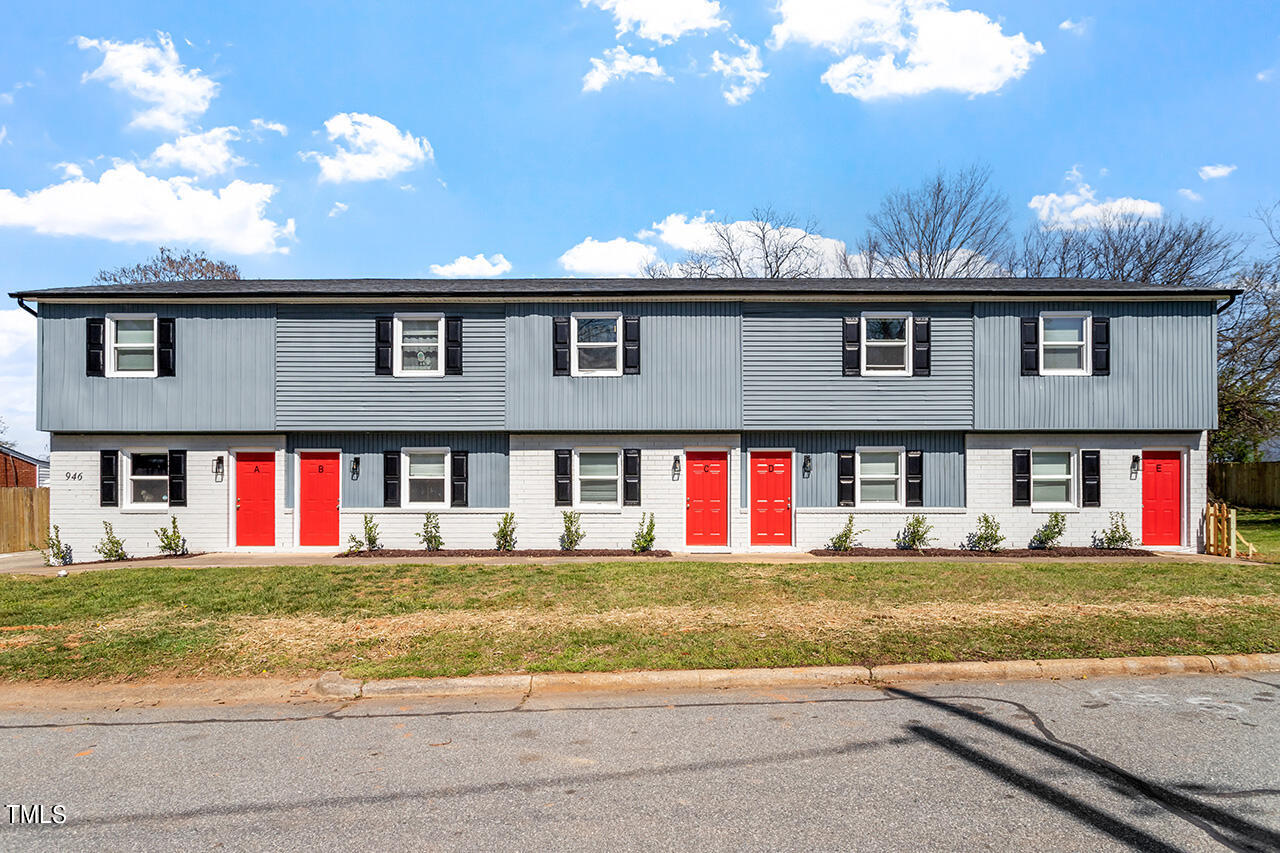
318 487
1161 497
255 509
706 497
770 497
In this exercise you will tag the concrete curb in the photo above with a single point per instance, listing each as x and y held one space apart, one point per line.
333 685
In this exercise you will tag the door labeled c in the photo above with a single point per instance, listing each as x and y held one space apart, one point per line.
255 510
770 497
318 497
1162 497
706 497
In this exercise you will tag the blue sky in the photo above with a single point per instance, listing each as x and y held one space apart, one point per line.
570 137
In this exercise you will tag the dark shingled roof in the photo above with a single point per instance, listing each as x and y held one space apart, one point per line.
505 288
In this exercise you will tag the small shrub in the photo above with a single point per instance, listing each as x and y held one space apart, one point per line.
1116 535
504 538
172 542
846 539
369 542
572 535
987 537
111 547
55 553
914 535
643 540
1051 532
430 536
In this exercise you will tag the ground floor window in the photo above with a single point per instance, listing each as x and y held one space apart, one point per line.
597 480
426 473
1052 477
880 475
148 477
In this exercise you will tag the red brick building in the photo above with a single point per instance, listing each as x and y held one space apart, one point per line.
19 469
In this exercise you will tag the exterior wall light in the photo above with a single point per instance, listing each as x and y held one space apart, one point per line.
217 468
1135 465
355 467
807 468
675 467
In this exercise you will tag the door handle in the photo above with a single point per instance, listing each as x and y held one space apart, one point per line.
237 504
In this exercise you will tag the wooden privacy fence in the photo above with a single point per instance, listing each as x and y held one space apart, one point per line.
24 518
1255 484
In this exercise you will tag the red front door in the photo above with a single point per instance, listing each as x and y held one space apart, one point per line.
318 499
706 521
255 498
1161 497
770 497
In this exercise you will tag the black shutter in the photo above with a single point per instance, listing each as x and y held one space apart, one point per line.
1030 346
177 478
846 484
391 478
560 346
458 478
1091 477
631 345
108 478
1022 478
95 346
920 356
453 348
382 334
631 478
564 478
851 340
915 478
167 349
1101 346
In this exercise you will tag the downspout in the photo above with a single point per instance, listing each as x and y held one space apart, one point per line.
25 307
1230 300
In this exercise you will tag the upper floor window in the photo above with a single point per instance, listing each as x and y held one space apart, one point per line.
886 344
148 478
419 345
426 474
598 473
1052 478
1064 343
597 344
131 345
880 471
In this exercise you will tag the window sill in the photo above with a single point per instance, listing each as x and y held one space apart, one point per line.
1045 509
144 510
1065 373
598 510
596 375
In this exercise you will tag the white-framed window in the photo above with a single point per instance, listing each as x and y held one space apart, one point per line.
131 345
419 345
1064 343
424 475
597 478
881 473
1053 477
146 478
596 340
886 343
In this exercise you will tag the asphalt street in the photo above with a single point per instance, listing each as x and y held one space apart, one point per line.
1166 763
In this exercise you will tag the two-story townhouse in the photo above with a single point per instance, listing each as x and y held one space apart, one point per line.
744 414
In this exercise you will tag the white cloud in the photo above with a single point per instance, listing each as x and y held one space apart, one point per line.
207 153
895 48
1190 195
4 133
127 205
6 98
70 170
1265 75
1209 173
273 126
662 21
338 209
151 72
617 258
477 267
18 380
1079 207
1076 28
375 149
620 64
743 74
686 233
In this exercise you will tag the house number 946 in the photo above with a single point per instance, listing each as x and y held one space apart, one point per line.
75 475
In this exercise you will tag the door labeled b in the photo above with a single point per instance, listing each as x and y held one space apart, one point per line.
318 498
255 509
706 497
770 497
1161 497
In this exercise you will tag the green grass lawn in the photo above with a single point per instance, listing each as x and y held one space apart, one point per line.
1262 528
384 621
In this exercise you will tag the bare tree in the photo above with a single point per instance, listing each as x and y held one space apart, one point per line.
954 225
168 265
4 428
768 245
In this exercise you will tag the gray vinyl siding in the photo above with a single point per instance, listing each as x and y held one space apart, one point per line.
943 462
1163 371
690 376
487 462
325 379
791 371
223 380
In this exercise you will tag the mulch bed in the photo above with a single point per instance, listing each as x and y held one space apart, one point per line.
961 552
155 559
492 552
